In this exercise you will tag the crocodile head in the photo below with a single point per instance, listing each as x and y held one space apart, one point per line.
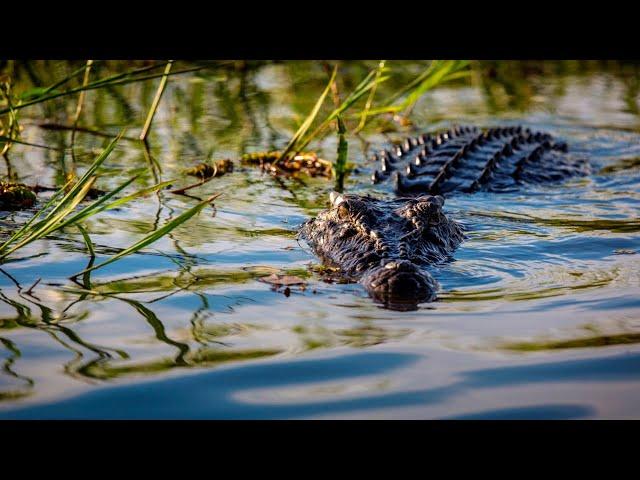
385 244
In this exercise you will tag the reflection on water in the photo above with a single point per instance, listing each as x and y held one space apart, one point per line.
600 341
544 290
275 390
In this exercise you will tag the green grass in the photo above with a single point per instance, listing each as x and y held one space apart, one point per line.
403 100
40 95
155 235
156 101
437 73
60 212
340 165
295 142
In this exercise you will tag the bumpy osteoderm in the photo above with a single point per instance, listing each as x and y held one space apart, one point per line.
468 159
385 245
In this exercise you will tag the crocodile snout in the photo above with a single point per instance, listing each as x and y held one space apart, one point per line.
400 284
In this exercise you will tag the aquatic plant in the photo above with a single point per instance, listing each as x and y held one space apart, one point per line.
157 234
60 212
438 72
340 165
156 101
39 95
14 196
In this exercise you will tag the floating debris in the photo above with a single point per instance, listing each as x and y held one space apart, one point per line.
287 281
206 170
307 162
329 274
16 196
624 251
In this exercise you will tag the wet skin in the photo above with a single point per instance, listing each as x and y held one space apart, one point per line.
385 245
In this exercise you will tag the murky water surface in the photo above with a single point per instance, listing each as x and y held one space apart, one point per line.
538 316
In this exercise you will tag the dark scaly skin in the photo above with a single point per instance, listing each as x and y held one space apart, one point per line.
385 244
467 159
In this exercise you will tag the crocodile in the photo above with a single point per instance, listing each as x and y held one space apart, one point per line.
468 159
387 244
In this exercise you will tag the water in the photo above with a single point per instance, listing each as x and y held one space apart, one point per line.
537 317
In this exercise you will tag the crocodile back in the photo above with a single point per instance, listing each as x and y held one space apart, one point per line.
468 159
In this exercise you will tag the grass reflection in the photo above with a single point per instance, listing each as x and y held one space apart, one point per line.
588 342
231 108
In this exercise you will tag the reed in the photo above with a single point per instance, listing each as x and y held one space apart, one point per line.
156 101
365 112
301 139
437 73
340 165
60 211
81 97
114 80
155 235
306 124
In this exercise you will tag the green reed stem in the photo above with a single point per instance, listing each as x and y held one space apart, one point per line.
156 101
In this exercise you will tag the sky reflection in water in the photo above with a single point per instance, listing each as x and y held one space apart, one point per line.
538 317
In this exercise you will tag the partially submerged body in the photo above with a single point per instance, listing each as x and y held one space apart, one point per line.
385 244
467 159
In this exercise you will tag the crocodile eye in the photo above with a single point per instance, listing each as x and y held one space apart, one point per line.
343 211
429 208
432 199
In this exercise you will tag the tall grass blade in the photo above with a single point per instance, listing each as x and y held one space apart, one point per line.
156 235
83 93
156 101
369 82
101 205
87 240
88 174
414 83
98 84
369 102
438 72
48 225
309 120
439 75
37 215
41 91
47 219
340 165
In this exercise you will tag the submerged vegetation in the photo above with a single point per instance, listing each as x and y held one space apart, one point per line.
60 212
56 213
15 196
60 105
137 226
